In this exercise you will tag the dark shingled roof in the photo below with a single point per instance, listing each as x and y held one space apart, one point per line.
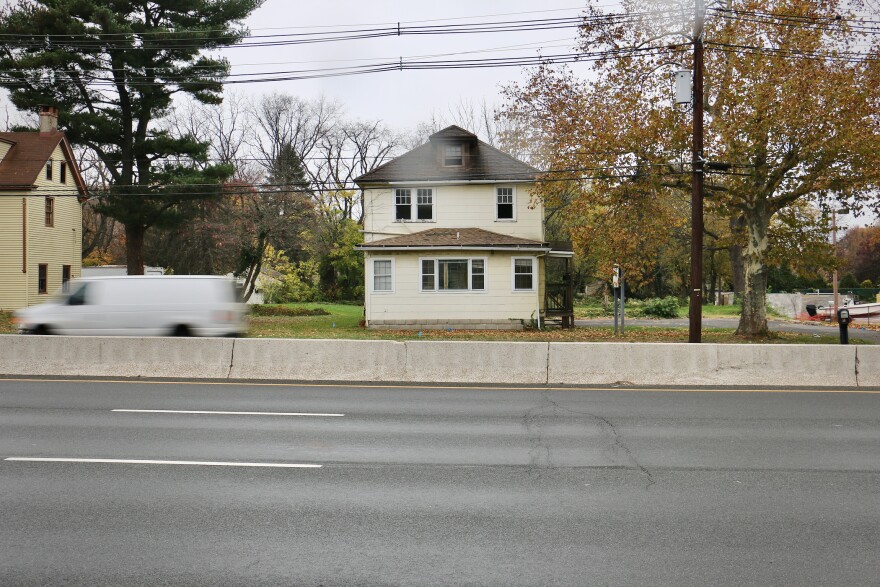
421 164
453 132
455 237
26 159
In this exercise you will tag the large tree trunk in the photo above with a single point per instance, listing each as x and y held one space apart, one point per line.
753 320
134 248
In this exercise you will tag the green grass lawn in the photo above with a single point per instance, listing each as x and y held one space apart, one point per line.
343 321
634 310
6 326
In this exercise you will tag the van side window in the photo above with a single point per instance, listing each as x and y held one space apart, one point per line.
78 298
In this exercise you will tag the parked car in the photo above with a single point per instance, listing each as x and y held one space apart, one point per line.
146 305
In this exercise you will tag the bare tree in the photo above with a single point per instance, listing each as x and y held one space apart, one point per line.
351 150
282 120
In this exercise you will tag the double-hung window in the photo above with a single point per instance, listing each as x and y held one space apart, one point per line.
383 275
452 156
505 208
42 278
413 205
50 211
453 274
524 274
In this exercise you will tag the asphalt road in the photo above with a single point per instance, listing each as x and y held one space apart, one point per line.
824 329
436 486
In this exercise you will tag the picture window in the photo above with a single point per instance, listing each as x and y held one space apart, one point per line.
453 274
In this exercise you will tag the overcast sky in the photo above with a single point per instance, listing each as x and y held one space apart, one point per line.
400 99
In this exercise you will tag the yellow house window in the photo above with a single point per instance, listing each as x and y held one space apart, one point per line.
43 279
50 211
63 172
49 170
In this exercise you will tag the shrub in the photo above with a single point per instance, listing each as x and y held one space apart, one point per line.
661 307
298 283
867 284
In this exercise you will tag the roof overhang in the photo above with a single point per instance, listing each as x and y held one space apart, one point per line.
509 249
422 182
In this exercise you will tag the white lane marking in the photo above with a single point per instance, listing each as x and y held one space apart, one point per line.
155 462
218 413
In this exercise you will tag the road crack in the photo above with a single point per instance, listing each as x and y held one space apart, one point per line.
857 366
539 450
231 360
619 443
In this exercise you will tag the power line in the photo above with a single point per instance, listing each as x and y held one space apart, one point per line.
268 189
401 65
99 40
842 56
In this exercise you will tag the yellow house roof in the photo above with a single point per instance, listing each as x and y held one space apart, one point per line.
27 158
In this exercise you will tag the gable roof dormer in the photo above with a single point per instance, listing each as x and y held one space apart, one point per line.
454 147
450 155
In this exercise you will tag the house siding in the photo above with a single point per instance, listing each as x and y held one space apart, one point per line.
12 279
408 305
53 246
455 206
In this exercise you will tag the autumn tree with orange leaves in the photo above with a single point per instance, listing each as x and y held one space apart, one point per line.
791 99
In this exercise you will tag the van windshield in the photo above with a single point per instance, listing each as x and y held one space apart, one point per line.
71 294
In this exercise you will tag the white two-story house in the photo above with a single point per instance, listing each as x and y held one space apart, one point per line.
452 238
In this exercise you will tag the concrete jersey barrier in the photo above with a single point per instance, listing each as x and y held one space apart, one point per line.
524 363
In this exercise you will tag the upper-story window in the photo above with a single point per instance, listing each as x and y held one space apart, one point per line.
452 156
505 205
413 205
49 170
50 211
62 171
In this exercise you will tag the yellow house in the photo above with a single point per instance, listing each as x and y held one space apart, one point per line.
452 239
40 214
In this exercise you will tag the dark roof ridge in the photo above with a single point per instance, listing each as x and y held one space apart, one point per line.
454 130
489 164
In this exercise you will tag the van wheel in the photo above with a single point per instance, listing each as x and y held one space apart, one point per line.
42 330
181 330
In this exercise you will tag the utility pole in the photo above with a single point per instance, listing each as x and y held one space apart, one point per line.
696 298
834 285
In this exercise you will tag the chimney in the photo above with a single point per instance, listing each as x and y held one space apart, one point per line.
48 119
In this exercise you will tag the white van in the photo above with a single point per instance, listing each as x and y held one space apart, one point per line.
147 305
